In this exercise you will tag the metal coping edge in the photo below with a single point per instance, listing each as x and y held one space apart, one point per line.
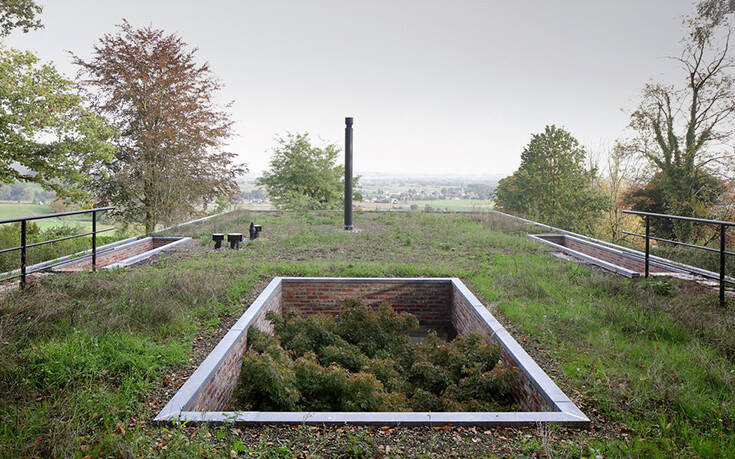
149 253
605 264
176 408
665 262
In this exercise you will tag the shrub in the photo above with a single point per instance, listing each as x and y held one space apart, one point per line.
268 380
343 354
374 331
362 360
489 386
302 335
423 400
428 376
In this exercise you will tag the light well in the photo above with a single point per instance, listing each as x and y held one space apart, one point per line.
121 255
626 263
207 394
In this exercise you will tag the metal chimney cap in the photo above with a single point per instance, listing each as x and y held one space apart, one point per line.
348 121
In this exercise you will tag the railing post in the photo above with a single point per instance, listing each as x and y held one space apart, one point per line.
648 243
23 253
722 265
94 240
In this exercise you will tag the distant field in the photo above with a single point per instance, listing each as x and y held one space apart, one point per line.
250 206
17 210
465 205
451 204
21 209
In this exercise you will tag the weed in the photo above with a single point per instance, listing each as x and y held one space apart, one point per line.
84 351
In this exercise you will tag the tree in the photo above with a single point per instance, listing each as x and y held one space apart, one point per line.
619 171
653 196
169 155
48 135
302 176
552 184
19 14
682 129
58 205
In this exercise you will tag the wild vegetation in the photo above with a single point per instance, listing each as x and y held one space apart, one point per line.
169 154
139 129
553 184
303 176
89 359
676 157
363 360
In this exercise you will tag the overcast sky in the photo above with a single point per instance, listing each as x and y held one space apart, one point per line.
434 86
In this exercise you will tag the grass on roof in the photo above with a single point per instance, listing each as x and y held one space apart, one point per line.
87 360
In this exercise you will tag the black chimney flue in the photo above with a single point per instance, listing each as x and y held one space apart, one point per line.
348 174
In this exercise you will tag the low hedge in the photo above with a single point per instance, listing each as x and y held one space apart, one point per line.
363 360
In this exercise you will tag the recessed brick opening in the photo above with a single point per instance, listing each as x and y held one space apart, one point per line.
207 394
134 251
625 263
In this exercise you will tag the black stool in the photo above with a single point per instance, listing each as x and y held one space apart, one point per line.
218 238
255 230
234 239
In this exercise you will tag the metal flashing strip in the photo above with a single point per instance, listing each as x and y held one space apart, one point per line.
596 261
662 262
58 262
565 411
382 418
145 255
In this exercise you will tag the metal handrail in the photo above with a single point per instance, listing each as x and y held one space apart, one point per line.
679 217
24 245
684 244
58 214
723 240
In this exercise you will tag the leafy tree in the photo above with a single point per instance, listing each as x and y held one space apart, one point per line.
682 130
553 185
615 180
58 205
169 156
19 14
48 135
303 176
653 196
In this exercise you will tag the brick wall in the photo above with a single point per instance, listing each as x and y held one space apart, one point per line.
428 301
116 255
604 254
216 395
436 303
466 320
275 304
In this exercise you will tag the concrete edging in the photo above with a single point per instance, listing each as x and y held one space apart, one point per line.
103 248
671 265
565 411
596 261
145 255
